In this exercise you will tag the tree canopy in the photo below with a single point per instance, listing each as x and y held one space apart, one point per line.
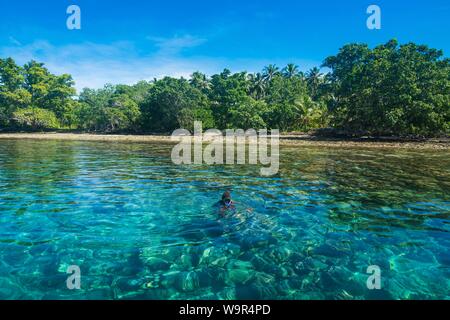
391 89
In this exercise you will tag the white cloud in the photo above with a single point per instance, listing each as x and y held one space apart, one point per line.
176 44
93 65
14 41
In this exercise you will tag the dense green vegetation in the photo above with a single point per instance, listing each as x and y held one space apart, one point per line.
388 90
391 89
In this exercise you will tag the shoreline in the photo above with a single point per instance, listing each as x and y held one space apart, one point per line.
301 140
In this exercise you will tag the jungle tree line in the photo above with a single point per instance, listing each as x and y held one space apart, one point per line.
391 89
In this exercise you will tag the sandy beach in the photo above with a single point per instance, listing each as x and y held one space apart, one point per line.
285 140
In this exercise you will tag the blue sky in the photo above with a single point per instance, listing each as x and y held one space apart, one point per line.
128 41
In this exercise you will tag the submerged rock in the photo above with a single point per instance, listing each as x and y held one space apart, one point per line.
8 289
186 261
126 284
257 241
314 264
228 293
239 276
188 281
100 294
343 295
327 281
152 282
169 279
172 253
328 250
232 250
340 274
248 293
300 269
382 295
217 276
255 292
219 262
209 255
157 294
262 279
280 254
260 263
356 285
240 264
399 287
285 271
204 277
239 272
284 287
156 264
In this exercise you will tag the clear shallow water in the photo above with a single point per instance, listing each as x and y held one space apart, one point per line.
140 227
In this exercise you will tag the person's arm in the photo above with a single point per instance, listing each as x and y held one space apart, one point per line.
250 210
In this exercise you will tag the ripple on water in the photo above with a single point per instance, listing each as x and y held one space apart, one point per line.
142 228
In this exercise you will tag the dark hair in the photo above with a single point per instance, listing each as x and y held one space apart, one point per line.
226 195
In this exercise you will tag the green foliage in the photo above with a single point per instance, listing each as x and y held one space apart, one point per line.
12 95
291 71
289 101
111 109
187 116
391 89
49 91
171 103
228 91
200 81
33 86
248 114
315 82
35 119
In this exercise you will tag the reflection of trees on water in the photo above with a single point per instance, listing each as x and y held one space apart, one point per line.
368 189
373 189
36 168
24 161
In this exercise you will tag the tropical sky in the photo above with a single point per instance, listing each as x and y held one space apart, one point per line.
128 41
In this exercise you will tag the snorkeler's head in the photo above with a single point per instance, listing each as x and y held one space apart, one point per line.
226 198
226 195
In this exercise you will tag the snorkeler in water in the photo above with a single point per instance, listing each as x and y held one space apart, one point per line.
227 205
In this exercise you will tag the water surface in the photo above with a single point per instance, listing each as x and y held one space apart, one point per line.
140 227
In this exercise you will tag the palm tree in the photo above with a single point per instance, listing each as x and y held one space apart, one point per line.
290 71
258 85
200 81
270 72
314 79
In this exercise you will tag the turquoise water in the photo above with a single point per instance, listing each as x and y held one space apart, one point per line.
140 227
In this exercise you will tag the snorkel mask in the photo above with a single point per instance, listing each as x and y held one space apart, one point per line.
227 202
